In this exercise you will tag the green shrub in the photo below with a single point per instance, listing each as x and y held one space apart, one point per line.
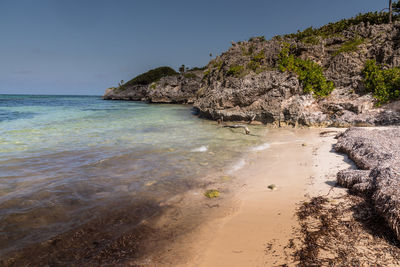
259 38
153 86
339 26
259 57
217 64
349 46
189 75
236 70
198 68
152 76
249 51
206 74
383 83
310 74
252 65
311 40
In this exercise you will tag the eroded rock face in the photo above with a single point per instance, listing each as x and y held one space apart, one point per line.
180 89
134 93
271 96
377 154
261 96
244 84
174 89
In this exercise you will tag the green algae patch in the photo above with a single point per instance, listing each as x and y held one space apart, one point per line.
212 193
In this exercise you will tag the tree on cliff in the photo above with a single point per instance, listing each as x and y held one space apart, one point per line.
182 69
396 7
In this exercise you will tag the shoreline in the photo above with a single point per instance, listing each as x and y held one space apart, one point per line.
250 224
307 220
259 232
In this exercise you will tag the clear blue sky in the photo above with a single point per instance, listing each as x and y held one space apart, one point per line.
85 46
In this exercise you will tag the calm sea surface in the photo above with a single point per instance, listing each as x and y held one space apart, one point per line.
65 160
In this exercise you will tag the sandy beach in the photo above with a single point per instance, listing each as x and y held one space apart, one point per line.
305 219
298 163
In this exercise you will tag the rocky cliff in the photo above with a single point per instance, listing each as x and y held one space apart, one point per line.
247 83
179 88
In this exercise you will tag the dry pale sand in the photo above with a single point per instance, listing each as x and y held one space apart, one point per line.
300 163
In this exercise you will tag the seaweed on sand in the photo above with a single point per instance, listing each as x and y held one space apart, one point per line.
345 231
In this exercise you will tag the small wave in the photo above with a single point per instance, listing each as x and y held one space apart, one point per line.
237 166
287 142
261 147
200 149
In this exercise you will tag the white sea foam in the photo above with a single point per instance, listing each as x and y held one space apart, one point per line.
200 149
237 166
261 147
287 142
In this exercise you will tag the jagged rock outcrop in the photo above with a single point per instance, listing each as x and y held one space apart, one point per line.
133 93
377 154
175 89
262 97
180 89
244 83
273 96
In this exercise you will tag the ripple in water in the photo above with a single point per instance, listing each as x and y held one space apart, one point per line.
79 158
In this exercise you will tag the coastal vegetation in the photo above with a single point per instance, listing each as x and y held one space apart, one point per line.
252 76
153 85
309 73
198 68
189 75
235 70
151 76
349 46
259 38
336 28
383 83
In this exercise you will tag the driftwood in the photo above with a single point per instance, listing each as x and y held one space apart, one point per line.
247 131
327 133
252 119
239 126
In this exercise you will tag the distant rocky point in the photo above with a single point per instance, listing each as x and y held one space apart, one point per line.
342 74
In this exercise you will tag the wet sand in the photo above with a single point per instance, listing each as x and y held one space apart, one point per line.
300 163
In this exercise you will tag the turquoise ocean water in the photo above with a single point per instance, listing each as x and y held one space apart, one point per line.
64 160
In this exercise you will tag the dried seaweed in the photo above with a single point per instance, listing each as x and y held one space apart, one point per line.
344 231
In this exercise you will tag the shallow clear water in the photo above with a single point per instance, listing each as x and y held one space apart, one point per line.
64 160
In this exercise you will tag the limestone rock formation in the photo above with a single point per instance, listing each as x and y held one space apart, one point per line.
244 83
180 89
377 154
